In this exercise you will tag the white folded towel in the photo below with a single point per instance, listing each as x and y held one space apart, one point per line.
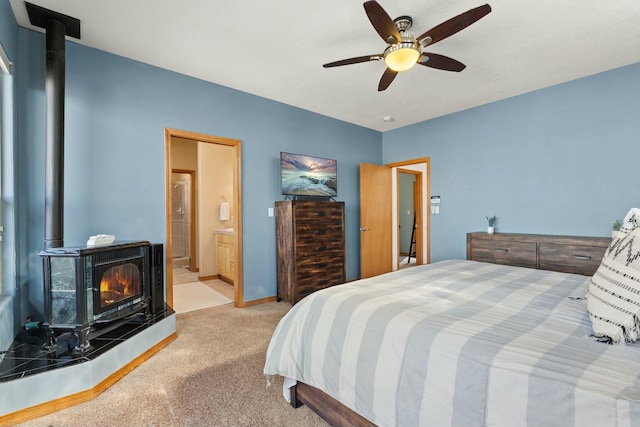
224 211
101 239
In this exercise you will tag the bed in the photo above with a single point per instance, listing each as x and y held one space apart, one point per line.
458 343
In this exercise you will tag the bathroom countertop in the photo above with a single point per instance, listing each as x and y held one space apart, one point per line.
225 231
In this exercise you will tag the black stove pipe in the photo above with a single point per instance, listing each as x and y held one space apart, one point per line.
57 26
54 141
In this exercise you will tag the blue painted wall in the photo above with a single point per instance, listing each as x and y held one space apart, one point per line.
558 160
561 160
115 115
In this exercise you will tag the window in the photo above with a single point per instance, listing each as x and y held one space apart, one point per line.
5 69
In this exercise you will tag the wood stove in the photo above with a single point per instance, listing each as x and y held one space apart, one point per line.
91 290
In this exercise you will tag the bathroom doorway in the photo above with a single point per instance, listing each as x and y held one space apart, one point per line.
203 158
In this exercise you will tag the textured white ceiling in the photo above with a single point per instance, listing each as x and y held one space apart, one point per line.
275 49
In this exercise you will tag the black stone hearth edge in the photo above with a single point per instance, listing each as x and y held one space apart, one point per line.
31 354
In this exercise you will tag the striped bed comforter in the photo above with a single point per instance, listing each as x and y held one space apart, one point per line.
460 343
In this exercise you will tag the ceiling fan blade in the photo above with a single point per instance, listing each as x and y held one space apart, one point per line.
386 79
441 62
382 22
455 24
355 60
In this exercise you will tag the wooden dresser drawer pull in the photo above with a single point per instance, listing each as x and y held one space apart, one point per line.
321 231
321 248
321 264
321 214
501 250
582 257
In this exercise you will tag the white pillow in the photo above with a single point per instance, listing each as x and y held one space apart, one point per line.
613 300
631 221
632 218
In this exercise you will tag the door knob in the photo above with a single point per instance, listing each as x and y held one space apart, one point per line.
364 229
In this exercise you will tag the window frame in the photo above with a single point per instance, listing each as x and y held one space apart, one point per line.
5 69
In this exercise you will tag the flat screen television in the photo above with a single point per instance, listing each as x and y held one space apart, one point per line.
308 175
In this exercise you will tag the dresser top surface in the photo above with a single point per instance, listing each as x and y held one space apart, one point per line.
542 238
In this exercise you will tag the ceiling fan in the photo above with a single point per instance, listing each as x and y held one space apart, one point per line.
403 50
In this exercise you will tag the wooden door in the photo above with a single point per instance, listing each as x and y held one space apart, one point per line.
376 255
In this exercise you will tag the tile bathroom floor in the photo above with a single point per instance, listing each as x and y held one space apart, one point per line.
182 275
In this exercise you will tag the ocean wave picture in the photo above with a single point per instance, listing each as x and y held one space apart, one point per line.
308 175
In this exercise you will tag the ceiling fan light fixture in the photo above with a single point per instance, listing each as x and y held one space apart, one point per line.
403 50
401 56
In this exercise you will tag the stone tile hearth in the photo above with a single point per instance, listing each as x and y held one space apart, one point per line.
29 353
33 374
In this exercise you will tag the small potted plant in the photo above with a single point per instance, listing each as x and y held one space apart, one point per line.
616 227
491 220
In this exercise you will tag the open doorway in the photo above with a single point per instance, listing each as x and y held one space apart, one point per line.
409 217
215 210
379 211
411 190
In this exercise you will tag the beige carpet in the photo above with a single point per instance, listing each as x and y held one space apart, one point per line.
196 296
211 375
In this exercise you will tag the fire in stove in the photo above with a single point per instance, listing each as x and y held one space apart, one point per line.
118 283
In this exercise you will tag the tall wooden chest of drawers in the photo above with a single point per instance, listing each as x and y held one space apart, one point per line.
310 247
568 254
